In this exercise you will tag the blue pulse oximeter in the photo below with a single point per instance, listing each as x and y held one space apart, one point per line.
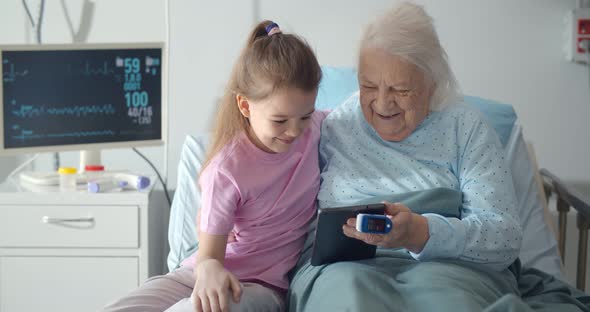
373 223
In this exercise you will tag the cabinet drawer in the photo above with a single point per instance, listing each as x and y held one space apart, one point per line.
69 226
64 283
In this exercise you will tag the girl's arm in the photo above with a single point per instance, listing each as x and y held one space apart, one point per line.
231 237
213 283
211 247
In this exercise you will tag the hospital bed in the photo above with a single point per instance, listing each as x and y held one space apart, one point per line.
540 249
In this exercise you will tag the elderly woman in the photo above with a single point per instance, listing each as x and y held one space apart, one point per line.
407 132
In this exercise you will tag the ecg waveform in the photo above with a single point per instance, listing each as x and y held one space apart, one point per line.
104 70
12 74
30 111
30 135
81 134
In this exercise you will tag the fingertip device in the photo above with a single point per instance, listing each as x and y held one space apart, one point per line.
373 223
331 245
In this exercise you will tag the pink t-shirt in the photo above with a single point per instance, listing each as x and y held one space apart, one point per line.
266 199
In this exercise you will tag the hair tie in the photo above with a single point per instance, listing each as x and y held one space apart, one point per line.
273 28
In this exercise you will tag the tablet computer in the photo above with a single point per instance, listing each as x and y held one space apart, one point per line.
331 245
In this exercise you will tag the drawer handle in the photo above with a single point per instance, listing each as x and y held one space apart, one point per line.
50 220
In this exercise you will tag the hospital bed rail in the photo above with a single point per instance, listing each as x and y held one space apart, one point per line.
566 198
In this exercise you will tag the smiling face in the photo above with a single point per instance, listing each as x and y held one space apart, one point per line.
278 120
394 94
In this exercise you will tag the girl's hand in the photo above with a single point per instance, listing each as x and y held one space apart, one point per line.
213 287
410 230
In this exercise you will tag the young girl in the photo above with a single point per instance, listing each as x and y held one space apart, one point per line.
259 183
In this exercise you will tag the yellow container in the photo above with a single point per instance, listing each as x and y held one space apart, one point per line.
67 179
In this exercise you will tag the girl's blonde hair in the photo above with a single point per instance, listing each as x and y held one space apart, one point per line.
266 65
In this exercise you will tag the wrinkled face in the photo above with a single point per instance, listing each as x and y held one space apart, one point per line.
394 93
277 121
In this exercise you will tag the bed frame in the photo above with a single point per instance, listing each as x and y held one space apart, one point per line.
566 198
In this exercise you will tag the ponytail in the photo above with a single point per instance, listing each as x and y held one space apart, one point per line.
271 61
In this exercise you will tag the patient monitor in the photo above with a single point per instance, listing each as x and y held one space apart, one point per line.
81 97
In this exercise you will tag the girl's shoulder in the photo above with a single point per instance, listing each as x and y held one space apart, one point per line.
315 127
224 160
318 117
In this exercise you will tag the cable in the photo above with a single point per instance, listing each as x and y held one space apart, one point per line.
38 26
158 173
79 35
28 161
56 161
64 8
29 13
40 21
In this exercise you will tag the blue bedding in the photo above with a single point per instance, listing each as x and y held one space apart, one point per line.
394 281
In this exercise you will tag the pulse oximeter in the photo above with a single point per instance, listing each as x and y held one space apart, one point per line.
373 223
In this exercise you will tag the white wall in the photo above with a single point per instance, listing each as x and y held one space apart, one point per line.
505 50
502 49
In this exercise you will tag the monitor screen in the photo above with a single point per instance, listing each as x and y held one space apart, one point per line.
74 97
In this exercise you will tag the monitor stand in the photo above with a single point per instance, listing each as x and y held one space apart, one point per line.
87 157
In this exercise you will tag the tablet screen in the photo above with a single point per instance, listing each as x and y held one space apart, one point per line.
330 243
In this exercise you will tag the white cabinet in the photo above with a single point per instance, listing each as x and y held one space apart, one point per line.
69 226
64 283
77 251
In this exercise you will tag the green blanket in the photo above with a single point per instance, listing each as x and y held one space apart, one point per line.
394 281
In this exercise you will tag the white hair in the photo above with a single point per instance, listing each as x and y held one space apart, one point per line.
407 31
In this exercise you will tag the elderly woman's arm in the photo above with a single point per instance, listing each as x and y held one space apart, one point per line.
489 231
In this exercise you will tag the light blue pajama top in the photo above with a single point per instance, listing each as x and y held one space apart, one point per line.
454 148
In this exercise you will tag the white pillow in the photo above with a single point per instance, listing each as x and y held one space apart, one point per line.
182 233
539 247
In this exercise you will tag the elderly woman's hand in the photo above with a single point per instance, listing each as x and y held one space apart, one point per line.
410 230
